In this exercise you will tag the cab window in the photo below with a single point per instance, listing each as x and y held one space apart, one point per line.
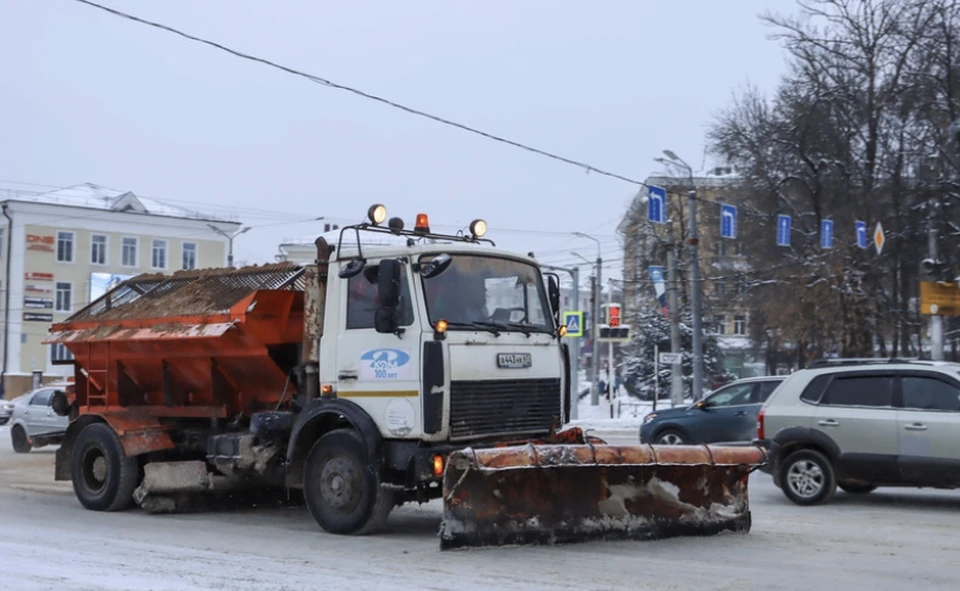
362 299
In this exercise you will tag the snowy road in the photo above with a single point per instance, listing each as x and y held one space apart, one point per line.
887 540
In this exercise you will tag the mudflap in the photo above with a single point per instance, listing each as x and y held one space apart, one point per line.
563 493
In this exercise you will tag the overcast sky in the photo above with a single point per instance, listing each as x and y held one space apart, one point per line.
90 97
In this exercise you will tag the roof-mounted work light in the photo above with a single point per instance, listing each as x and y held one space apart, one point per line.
478 228
377 214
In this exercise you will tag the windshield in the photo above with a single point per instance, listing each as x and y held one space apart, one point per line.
487 293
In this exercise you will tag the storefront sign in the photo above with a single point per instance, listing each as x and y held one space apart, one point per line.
44 243
34 317
29 302
37 276
38 288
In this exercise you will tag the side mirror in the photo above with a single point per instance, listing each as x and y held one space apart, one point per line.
352 269
702 405
435 266
388 283
388 295
553 291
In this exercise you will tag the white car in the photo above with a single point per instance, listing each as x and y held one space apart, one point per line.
34 423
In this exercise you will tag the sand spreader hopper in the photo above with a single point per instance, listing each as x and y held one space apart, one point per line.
546 494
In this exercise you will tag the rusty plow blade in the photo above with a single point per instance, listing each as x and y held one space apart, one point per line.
550 494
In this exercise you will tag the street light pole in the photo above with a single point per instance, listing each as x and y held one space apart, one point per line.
229 238
693 240
594 366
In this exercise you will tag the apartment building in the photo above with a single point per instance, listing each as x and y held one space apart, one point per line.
62 249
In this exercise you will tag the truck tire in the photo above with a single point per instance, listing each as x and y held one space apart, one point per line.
104 478
342 491
19 439
807 477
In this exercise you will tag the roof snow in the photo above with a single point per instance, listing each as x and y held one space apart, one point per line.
91 196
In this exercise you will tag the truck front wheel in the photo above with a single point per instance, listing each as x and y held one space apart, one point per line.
104 478
341 489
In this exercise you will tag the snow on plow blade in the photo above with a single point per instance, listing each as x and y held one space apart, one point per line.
547 494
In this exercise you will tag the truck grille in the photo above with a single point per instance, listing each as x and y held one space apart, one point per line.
497 407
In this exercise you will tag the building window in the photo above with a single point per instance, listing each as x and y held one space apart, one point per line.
721 323
59 352
65 247
719 288
98 249
719 247
158 256
64 300
739 248
189 255
740 325
129 252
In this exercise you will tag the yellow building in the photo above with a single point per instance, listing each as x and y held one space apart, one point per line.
61 250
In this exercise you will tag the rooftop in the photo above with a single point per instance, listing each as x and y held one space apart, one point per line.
91 196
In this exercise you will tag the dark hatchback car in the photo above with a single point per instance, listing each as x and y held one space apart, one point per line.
727 415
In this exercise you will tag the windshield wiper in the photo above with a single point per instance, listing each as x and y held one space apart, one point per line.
523 327
487 326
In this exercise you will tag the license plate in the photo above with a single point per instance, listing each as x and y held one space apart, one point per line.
514 360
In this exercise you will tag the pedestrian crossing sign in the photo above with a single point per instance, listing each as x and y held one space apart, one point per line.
574 322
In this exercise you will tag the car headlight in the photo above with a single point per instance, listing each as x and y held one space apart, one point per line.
649 418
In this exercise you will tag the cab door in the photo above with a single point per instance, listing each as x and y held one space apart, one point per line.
379 372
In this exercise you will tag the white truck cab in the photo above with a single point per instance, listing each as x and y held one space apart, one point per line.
442 338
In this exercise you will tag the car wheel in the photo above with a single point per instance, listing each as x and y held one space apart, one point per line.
341 491
104 477
807 477
857 489
19 439
670 437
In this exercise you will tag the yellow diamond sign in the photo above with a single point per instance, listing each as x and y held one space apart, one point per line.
879 238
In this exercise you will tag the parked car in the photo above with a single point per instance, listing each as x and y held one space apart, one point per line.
6 410
33 422
727 415
861 424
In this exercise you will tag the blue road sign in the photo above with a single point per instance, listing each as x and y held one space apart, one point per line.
657 204
826 233
656 274
861 234
574 322
728 221
783 230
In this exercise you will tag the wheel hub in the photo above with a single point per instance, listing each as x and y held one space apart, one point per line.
340 484
805 478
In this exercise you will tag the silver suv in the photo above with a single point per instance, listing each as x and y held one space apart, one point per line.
860 424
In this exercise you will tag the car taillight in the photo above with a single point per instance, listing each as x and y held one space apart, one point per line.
760 424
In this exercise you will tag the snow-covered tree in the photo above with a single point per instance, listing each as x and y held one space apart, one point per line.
651 328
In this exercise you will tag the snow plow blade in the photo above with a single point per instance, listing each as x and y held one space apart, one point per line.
553 494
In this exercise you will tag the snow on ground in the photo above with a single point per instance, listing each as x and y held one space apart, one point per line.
620 414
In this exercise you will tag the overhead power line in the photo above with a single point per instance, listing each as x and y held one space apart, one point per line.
317 79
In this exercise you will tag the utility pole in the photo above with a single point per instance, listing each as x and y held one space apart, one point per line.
594 346
610 372
230 238
936 321
598 286
676 381
694 242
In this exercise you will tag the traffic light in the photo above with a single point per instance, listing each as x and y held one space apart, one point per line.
615 334
613 315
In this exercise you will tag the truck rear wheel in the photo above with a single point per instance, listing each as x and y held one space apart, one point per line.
104 478
341 489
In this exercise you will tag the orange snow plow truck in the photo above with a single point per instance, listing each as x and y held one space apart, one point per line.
401 366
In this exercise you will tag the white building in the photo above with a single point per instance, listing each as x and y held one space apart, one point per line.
60 250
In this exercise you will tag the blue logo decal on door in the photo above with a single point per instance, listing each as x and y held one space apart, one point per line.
386 364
